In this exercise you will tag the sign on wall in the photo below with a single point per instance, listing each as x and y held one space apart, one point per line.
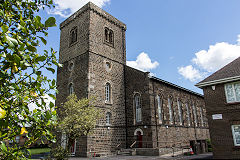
216 116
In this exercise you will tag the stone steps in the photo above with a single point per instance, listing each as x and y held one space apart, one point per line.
125 152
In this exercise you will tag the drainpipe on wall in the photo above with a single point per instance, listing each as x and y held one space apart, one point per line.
124 78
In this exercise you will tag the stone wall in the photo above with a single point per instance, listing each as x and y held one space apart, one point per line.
137 83
84 66
163 133
106 138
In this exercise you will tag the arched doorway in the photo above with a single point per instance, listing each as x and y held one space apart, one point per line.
72 146
139 134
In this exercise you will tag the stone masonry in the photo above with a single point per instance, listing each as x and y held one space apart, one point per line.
92 61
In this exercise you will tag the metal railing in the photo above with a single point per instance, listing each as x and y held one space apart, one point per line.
168 146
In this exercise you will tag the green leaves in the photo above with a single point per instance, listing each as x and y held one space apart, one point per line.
22 77
4 28
50 69
31 48
50 22
11 41
80 116
40 58
3 147
43 40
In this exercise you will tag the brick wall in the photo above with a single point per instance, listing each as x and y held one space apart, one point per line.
220 130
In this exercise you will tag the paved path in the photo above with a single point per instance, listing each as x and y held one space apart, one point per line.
200 156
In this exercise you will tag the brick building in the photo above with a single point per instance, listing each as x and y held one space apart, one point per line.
222 98
140 111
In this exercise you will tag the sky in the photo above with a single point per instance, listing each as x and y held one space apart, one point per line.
180 41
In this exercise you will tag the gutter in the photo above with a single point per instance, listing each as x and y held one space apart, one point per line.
214 82
176 86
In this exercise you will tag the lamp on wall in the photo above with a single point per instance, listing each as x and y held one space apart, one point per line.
213 88
145 127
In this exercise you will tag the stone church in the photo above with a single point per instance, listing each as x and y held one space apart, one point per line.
141 111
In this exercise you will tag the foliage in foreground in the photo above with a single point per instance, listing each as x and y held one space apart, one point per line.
21 76
77 117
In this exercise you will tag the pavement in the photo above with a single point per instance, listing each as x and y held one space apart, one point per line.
164 157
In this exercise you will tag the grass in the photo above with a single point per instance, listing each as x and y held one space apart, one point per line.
38 150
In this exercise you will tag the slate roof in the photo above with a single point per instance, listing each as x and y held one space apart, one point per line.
176 86
229 71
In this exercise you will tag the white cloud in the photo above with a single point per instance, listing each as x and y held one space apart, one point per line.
143 63
47 100
65 8
208 61
216 56
190 73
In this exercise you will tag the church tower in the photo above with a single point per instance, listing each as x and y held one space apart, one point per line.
92 51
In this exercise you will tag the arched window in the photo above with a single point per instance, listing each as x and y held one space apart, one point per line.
108 33
179 104
111 36
108 118
138 108
188 115
195 115
170 110
201 115
73 35
107 92
71 88
159 104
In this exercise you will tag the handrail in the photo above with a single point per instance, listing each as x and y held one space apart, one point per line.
133 144
119 144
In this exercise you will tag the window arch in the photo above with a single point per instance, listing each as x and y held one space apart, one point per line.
108 118
159 105
138 107
180 114
109 36
71 90
106 34
188 115
73 35
108 92
170 110
195 115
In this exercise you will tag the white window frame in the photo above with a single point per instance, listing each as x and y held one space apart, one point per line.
107 92
138 107
234 135
234 92
108 118
170 110
159 104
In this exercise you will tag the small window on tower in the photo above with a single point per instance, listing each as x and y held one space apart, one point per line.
108 118
108 66
73 35
109 37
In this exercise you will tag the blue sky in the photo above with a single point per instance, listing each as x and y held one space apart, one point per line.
180 41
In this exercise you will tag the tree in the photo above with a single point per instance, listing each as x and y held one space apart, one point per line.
21 76
77 117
